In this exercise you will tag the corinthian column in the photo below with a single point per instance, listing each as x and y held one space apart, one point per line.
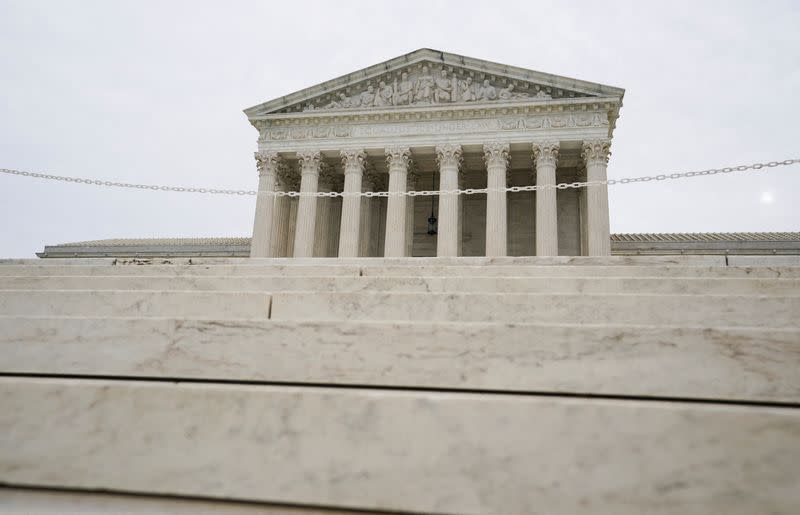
449 159
322 228
496 156
545 156
286 181
307 205
395 244
353 162
595 154
267 165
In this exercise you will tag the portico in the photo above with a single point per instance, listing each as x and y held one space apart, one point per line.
475 125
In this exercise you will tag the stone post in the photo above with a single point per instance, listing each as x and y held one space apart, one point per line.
267 165
286 181
353 162
322 228
397 159
545 156
449 159
496 156
595 155
307 205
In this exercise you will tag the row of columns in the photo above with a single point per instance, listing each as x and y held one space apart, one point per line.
270 229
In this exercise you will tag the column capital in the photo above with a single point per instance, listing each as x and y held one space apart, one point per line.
545 153
596 151
411 179
353 160
287 179
449 155
310 161
496 153
398 156
267 162
326 176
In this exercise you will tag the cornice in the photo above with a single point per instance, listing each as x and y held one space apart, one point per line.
438 112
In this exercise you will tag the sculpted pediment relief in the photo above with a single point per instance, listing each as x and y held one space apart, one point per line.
418 80
428 84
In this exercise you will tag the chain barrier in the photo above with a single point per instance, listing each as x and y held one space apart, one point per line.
425 193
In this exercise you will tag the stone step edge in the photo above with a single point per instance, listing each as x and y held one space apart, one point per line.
407 277
407 323
397 293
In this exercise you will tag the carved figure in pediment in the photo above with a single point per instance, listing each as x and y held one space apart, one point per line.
509 93
487 91
341 102
403 91
309 107
385 96
506 93
444 88
368 97
423 92
466 90
541 94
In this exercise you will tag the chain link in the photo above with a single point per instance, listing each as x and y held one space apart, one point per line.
425 193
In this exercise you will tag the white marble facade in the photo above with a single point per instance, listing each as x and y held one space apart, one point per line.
430 120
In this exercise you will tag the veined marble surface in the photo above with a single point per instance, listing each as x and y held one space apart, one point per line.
18 501
712 363
583 308
412 283
430 452
143 303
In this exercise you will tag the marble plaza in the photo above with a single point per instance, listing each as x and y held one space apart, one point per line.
426 121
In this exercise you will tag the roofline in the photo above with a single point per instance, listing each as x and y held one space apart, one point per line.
428 54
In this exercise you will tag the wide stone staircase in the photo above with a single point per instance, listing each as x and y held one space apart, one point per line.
623 385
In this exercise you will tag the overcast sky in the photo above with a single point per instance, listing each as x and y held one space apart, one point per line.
153 92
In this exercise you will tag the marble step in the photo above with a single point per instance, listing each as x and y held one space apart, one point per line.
383 270
556 308
706 363
422 451
475 284
179 270
583 271
685 260
583 308
141 303
28 501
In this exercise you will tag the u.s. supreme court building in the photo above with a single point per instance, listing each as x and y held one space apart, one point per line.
430 120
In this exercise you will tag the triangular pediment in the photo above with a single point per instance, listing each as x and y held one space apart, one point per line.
430 78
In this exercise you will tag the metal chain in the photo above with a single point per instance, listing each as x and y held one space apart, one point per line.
426 193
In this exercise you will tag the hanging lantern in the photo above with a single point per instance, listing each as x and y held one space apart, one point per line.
432 219
431 225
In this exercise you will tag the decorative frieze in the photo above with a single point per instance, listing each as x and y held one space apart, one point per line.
531 123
